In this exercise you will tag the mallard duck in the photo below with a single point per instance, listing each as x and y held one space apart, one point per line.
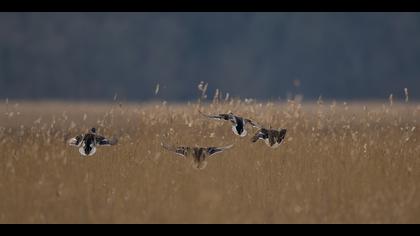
273 138
88 142
238 123
199 154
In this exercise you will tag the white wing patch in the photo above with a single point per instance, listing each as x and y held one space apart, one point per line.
74 142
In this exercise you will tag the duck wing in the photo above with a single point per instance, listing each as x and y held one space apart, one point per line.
182 151
281 135
214 150
252 123
218 117
102 141
76 141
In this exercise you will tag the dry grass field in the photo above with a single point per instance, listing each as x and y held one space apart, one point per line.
340 163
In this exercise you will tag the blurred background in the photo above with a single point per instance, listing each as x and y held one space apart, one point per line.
268 56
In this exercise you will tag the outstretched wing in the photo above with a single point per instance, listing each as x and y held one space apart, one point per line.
281 135
76 141
182 151
214 150
102 141
254 124
217 117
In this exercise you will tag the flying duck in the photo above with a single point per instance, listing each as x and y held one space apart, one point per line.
199 154
238 123
88 142
273 138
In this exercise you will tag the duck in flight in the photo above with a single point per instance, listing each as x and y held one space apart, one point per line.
87 142
273 138
238 123
199 154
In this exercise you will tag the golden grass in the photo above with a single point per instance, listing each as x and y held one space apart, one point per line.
355 163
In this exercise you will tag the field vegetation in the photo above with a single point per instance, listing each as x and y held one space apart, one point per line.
340 163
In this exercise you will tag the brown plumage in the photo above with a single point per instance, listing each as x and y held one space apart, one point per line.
88 142
199 154
273 138
238 123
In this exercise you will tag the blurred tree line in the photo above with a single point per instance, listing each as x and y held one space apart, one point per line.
78 56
